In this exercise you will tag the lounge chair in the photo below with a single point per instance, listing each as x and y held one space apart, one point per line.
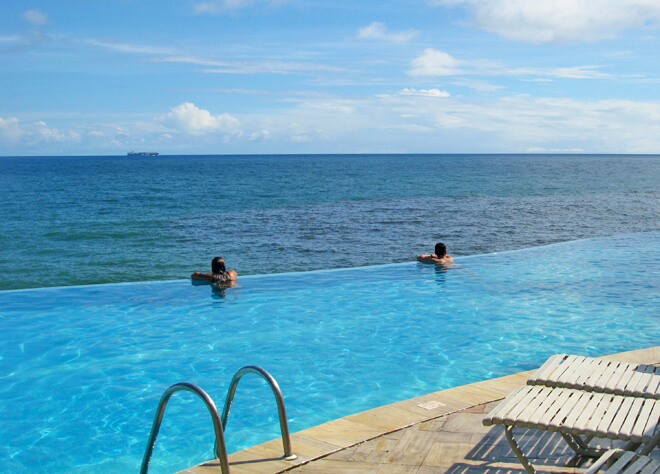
599 375
619 461
576 414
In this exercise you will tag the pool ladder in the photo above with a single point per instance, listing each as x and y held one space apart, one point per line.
220 423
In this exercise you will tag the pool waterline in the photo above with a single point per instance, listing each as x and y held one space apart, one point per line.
115 348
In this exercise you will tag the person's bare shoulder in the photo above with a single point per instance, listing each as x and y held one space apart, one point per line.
446 260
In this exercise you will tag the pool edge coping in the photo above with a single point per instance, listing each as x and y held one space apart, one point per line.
333 436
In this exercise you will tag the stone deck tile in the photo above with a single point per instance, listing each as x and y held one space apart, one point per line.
343 432
434 433
638 356
388 418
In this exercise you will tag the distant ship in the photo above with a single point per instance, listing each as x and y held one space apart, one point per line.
142 153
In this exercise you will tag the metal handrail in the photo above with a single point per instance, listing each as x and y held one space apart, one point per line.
284 426
220 446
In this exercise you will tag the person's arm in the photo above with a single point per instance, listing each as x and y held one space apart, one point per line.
233 275
202 276
426 258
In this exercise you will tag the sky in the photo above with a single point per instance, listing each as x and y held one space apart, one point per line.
104 77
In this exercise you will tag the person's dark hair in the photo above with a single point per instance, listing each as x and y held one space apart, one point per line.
218 265
440 250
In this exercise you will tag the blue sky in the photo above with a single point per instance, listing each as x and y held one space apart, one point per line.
293 76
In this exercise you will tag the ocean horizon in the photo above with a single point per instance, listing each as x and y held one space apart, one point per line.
107 219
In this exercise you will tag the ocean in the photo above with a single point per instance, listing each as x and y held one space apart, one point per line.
101 219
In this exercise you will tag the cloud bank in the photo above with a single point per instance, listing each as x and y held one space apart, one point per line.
425 92
409 120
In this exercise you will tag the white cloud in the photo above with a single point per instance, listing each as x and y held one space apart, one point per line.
221 6
46 133
378 31
35 17
258 66
332 106
260 135
13 131
539 149
159 54
127 48
477 85
10 39
540 21
425 92
195 121
575 72
301 139
224 6
10 129
434 63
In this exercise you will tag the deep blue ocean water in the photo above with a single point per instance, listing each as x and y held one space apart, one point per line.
86 220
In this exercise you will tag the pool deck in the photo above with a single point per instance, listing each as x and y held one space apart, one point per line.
435 433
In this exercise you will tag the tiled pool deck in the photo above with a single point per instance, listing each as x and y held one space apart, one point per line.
435 433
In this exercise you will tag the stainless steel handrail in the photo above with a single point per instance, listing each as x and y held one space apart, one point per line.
220 446
284 426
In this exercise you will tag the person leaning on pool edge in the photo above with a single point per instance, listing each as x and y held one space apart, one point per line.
440 256
219 274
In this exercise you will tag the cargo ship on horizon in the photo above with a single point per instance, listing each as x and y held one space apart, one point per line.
143 153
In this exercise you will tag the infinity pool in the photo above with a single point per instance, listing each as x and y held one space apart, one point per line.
83 368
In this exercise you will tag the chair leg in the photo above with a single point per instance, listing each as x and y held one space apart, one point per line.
508 431
581 447
648 447
572 443
633 446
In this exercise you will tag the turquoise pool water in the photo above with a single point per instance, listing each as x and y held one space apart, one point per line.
82 368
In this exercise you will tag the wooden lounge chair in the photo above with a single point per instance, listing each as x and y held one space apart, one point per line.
599 375
617 461
579 416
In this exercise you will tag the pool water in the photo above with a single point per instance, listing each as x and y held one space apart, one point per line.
83 368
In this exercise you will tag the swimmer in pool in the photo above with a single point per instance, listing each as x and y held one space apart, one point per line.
440 256
220 273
